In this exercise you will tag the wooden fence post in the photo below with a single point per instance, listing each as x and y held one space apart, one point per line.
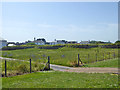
78 60
5 68
103 56
114 54
48 62
109 55
88 58
96 57
30 65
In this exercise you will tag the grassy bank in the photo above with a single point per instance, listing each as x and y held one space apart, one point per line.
61 80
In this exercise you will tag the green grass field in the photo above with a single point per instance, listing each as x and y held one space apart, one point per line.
106 63
57 79
63 56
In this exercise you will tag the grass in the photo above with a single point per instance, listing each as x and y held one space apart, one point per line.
57 79
63 56
19 67
106 63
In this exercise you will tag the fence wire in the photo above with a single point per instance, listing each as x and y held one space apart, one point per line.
18 67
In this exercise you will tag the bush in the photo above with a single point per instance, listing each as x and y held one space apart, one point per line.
23 68
74 63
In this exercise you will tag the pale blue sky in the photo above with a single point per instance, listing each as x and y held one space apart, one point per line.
61 20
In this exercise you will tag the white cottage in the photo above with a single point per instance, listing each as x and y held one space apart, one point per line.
61 42
3 43
53 43
57 42
40 41
84 42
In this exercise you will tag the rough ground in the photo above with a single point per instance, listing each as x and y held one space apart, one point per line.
79 69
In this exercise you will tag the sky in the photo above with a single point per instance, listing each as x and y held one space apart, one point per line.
22 21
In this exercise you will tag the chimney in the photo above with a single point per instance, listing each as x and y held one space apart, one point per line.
34 39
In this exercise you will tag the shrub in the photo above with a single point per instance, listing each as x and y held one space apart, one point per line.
23 68
74 63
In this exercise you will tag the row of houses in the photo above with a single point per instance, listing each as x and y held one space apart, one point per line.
42 41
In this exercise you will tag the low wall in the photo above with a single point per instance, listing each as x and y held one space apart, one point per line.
109 46
51 47
15 48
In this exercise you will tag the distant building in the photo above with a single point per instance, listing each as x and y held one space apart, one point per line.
3 43
72 42
61 41
11 44
28 41
84 42
56 42
41 41
53 43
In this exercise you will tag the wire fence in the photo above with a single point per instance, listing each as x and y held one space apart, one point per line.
18 67
71 59
40 62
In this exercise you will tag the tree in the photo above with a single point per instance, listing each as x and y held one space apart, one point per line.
117 42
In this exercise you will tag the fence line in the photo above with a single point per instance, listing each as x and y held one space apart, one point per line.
96 57
30 67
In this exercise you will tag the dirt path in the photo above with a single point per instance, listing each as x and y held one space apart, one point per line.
79 69
94 70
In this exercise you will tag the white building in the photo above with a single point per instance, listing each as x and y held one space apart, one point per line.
61 41
11 45
3 43
53 43
84 42
57 42
40 41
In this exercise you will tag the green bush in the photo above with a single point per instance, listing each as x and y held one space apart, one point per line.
23 68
